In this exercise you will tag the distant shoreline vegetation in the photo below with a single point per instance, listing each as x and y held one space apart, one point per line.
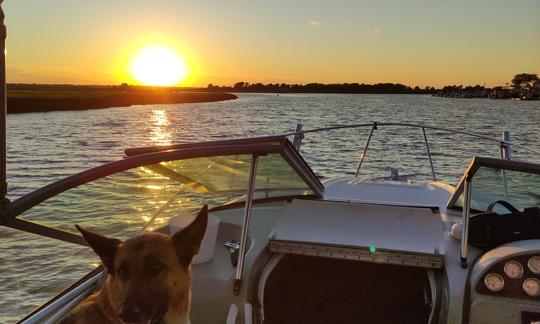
25 98
379 88
524 86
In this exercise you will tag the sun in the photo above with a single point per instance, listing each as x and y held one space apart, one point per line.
159 66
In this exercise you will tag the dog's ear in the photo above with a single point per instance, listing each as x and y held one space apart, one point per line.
188 241
104 247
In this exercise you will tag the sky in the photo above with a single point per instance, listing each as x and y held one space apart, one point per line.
414 42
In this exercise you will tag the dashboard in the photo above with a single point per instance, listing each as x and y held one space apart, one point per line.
505 284
513 277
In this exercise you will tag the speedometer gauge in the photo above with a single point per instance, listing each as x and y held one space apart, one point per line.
534 264
494 282
531 287
513 270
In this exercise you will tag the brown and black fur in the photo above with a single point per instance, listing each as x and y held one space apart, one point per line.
149 277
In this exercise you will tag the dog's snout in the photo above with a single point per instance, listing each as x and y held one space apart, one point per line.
131 313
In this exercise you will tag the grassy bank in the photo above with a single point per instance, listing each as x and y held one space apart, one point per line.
41 98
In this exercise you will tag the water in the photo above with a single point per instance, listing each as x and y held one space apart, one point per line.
44 147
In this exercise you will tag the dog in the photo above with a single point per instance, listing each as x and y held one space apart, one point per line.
148 277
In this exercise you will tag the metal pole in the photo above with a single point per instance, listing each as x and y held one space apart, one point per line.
465 221
3 112
429 154
505 146
245 226
298 136
374 127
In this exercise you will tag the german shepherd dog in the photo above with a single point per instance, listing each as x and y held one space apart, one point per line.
148 277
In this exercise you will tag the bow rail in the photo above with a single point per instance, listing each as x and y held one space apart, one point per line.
504 143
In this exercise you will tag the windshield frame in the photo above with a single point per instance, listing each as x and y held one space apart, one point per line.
251 146
478 162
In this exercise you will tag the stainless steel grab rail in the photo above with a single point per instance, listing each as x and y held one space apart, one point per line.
504 144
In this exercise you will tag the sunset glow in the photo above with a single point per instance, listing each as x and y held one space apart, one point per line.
415 42
159 66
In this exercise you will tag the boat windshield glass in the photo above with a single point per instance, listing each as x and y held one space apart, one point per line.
127 202
521 188
122 205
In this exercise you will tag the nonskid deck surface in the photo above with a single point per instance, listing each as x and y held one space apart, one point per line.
319 290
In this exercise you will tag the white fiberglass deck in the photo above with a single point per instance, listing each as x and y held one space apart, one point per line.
383 234
351 189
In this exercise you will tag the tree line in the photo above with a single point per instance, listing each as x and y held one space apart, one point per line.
379 88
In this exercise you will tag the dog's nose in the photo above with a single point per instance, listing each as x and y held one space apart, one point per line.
131 313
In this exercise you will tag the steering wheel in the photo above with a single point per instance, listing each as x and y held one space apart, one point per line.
505 204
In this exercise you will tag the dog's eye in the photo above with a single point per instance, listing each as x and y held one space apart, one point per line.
122 272
156 267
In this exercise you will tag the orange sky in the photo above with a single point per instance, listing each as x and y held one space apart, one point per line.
419 42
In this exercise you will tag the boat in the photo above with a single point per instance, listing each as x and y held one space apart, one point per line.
293 247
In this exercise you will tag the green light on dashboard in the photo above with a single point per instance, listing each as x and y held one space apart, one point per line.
372 249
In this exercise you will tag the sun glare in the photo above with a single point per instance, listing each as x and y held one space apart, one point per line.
159 66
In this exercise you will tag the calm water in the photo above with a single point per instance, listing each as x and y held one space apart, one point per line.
44 147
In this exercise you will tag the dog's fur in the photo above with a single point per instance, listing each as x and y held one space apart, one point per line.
149 277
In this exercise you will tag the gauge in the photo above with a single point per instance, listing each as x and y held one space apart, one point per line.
534 264
513 269
531 287
494 282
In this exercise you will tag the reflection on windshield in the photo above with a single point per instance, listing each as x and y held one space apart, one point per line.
123 204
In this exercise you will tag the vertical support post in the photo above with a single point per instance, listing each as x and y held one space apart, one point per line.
297 141
465 217
374 127
505 146
245 226
505 155
3 109
429 155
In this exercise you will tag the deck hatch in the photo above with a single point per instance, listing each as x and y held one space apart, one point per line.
357 254
399 235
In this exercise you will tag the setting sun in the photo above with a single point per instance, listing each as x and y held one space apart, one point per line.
159 66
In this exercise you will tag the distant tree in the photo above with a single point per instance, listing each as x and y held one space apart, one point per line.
522 78
240 85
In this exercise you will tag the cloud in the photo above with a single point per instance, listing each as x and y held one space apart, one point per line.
375 31
314 23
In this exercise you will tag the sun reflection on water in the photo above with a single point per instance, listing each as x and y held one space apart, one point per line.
159 128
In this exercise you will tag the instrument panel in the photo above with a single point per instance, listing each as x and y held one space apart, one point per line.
514 277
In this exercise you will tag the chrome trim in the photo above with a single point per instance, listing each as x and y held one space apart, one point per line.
465 220
494 274
51 309
245 225
297 141
450 130
3 106
429 154
373 128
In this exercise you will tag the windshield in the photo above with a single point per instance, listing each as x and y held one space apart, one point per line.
505 181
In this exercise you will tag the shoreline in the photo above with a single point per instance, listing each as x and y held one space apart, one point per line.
45 98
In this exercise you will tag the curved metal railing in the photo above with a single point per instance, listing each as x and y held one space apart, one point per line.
504 143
